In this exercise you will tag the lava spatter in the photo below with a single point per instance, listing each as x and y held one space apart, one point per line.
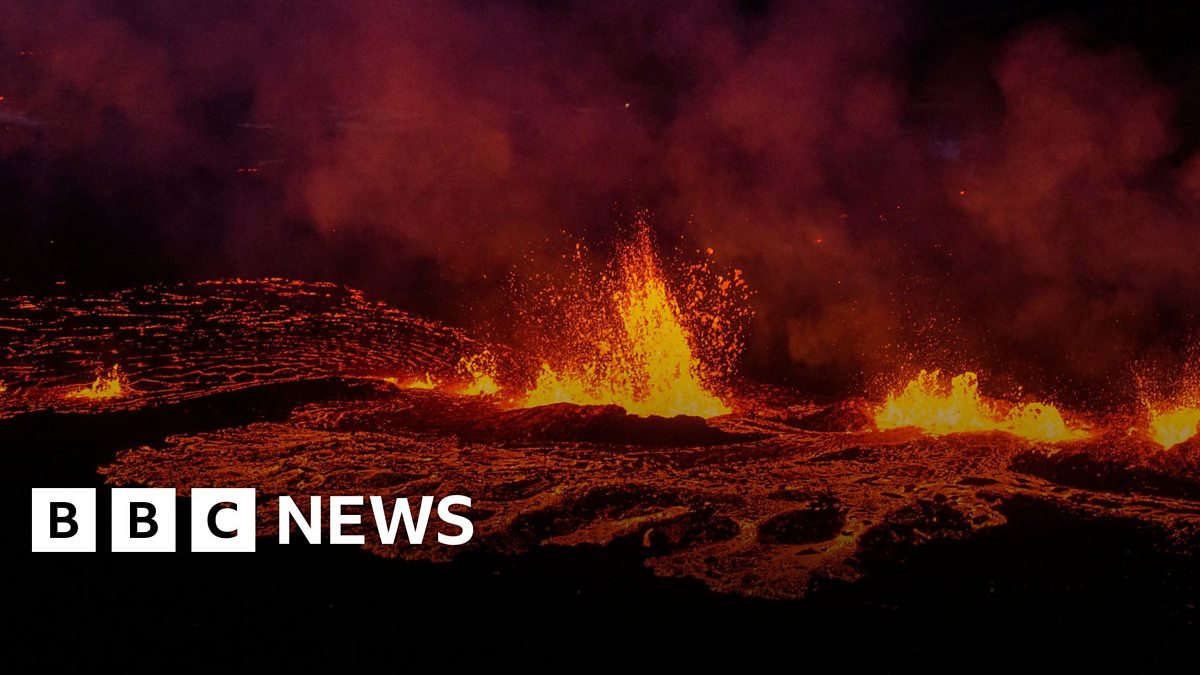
640 347
106 385
938 408
479 370
1173 426
1172 404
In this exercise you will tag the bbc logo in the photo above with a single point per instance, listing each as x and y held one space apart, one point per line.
143 520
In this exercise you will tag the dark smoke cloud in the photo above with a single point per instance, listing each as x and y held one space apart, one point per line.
896 186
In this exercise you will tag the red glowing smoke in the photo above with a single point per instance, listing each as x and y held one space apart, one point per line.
887 179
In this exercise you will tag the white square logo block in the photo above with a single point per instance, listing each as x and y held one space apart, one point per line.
143 520
64 520
223 520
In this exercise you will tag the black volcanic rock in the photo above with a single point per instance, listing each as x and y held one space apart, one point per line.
566 422
820 519
907 528
696 527
1133 466
480 420
850 415
619 502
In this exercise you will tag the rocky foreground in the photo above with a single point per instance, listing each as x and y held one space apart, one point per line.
278 385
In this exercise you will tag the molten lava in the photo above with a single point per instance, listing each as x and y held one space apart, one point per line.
480 372
1172 399
1172 427
106 385
929 404
426 382
421 383
635 349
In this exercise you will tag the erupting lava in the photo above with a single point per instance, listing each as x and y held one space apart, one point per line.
426 382
422 383
1173 403
635 349
105 386
1172 427
928 403
480 370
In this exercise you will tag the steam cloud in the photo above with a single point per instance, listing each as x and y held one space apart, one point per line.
1026 202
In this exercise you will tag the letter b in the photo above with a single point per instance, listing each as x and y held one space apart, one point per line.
143 520
58 517
64 520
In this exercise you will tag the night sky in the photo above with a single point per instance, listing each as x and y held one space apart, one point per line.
1007 185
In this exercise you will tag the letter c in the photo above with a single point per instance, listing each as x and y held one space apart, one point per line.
212 520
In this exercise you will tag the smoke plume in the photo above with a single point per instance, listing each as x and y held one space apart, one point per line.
900 182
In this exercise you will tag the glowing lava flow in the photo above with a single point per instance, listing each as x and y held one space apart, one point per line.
927 403
1172 427
105 386
416 383
642 358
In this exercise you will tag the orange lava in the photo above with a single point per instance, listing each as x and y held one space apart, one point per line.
635 349
480 372
938 408
1172 399
1174 426
106 385
426 382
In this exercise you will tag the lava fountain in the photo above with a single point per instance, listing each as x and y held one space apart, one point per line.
937 408
1171 427
636 346
106 385
1173 404
479 370
426 382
